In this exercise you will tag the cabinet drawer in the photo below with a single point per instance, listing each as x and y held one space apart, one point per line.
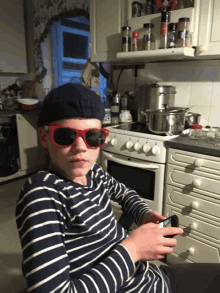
196 251
192 203
194 161
192 225
193 180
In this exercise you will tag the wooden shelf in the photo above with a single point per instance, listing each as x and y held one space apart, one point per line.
157 55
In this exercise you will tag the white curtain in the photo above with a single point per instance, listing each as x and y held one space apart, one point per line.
45 12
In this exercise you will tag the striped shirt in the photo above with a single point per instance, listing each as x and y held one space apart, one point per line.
71 240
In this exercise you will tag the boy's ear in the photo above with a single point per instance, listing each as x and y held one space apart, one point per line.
43 137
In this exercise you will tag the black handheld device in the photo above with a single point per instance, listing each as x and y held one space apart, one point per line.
172 221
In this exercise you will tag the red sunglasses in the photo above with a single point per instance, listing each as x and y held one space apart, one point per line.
66 136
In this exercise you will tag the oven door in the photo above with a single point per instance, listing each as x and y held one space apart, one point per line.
146 178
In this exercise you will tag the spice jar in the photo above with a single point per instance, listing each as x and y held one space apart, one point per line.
149 8
126 38
195 131
183 32
135 41
136 9
165 19
172 35
148 39
107 117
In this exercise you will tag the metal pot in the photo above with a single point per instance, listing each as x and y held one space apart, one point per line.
154 96
170 121
191 118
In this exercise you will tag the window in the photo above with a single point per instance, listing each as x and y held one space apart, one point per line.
71 39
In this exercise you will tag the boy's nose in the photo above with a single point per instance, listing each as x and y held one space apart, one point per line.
79 144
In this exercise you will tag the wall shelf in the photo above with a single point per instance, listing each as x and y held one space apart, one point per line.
158 55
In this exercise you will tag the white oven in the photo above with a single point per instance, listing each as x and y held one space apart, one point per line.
146 178
137 158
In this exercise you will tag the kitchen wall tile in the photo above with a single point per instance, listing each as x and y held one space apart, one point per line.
201 93
214 116
215 95
204 111
182 72
183 89
204 73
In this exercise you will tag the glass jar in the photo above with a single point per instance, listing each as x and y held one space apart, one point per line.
172 35
183 35
126 39
136 9
195 131
149 8
107 118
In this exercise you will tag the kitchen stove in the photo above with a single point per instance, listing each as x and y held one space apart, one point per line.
135 140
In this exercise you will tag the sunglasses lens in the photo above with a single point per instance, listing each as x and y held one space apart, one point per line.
95 138
64 136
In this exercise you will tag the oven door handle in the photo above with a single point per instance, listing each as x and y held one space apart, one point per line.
131 164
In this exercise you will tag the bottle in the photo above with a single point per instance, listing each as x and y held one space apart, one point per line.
135 41
136 9
172 35
165 19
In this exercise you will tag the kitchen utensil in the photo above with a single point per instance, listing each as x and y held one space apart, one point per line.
154 96
27 104
125 116
191 118
169 121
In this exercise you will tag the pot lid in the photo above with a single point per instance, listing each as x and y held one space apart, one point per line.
170 110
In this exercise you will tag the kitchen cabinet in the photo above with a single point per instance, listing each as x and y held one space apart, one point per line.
106 20
13 58
192 187
209 38
32 155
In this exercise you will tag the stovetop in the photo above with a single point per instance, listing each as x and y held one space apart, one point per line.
138 129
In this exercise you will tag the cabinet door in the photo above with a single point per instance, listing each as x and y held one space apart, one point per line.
12 35
106 21
209 37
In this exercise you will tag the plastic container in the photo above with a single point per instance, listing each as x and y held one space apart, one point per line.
107 118
195 131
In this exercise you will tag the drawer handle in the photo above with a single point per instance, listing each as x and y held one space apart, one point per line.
197 182
191 250
199 163
193 226
194 204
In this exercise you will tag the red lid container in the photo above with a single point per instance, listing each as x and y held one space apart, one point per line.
196 126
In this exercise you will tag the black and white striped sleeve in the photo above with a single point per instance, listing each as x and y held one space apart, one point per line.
41 217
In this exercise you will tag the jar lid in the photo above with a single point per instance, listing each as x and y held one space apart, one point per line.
172 26
196 126
135 34
165 16
184 19
148 25
126 28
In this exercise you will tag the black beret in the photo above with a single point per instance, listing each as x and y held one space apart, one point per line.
69 101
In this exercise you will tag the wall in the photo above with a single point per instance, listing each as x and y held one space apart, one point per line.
197 85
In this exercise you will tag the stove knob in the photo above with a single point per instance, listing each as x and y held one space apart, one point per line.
155 150
114 142
107 140
146 148
129 144
137 146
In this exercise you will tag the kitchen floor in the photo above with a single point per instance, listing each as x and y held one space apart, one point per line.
11 277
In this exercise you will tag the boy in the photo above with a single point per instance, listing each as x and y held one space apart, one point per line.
70 239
